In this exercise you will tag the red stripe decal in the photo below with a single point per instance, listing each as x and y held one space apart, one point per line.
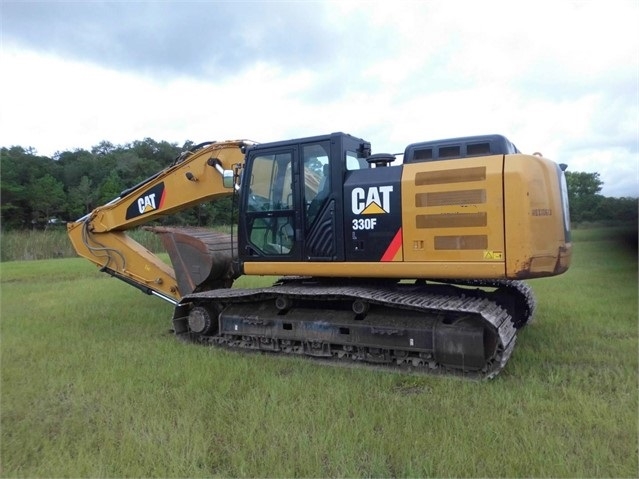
393 247
162 198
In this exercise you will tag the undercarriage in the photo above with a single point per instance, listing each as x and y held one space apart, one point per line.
431 327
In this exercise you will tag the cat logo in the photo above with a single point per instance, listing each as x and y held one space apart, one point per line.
147 202
374 201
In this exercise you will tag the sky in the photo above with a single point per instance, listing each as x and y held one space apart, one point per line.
557 77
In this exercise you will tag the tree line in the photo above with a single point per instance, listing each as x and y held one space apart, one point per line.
587 205
37 191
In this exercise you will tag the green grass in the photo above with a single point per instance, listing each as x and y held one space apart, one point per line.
25 245
94 385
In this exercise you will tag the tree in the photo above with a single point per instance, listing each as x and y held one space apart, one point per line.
582 184
583 195
46 198
624 210
20 169
103 148
12 204
79 163
110 188
81 198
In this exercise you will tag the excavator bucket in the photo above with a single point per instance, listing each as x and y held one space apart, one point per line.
202 259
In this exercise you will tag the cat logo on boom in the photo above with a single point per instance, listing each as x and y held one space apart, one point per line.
150 200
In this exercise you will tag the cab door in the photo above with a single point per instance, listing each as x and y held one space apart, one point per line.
319 203
290 208
270 223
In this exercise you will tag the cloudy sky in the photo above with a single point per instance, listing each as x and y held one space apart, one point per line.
557 77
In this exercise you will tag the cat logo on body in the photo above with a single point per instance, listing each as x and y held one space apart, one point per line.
372 201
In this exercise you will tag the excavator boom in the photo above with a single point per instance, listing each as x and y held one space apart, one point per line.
202 174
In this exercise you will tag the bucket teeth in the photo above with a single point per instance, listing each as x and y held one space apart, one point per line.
202 259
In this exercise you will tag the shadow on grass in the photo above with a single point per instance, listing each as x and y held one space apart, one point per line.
628 238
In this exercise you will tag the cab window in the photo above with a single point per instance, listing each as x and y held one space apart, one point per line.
317 179
270 207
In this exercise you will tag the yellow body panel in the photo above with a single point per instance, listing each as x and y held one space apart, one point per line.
453 212
396 270
536 223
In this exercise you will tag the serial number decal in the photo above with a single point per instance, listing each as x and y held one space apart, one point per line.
542 212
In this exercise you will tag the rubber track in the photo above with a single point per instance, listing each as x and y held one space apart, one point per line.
412 298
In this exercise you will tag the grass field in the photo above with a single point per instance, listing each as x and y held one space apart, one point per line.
93 385
26 245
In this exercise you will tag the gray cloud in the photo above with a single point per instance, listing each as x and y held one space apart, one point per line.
167 38
562 75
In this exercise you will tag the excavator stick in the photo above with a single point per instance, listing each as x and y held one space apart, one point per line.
202 259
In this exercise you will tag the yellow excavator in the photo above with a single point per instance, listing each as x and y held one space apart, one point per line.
417 265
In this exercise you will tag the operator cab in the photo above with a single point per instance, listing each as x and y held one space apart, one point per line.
292 202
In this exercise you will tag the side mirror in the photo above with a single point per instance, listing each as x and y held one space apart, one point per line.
228 179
